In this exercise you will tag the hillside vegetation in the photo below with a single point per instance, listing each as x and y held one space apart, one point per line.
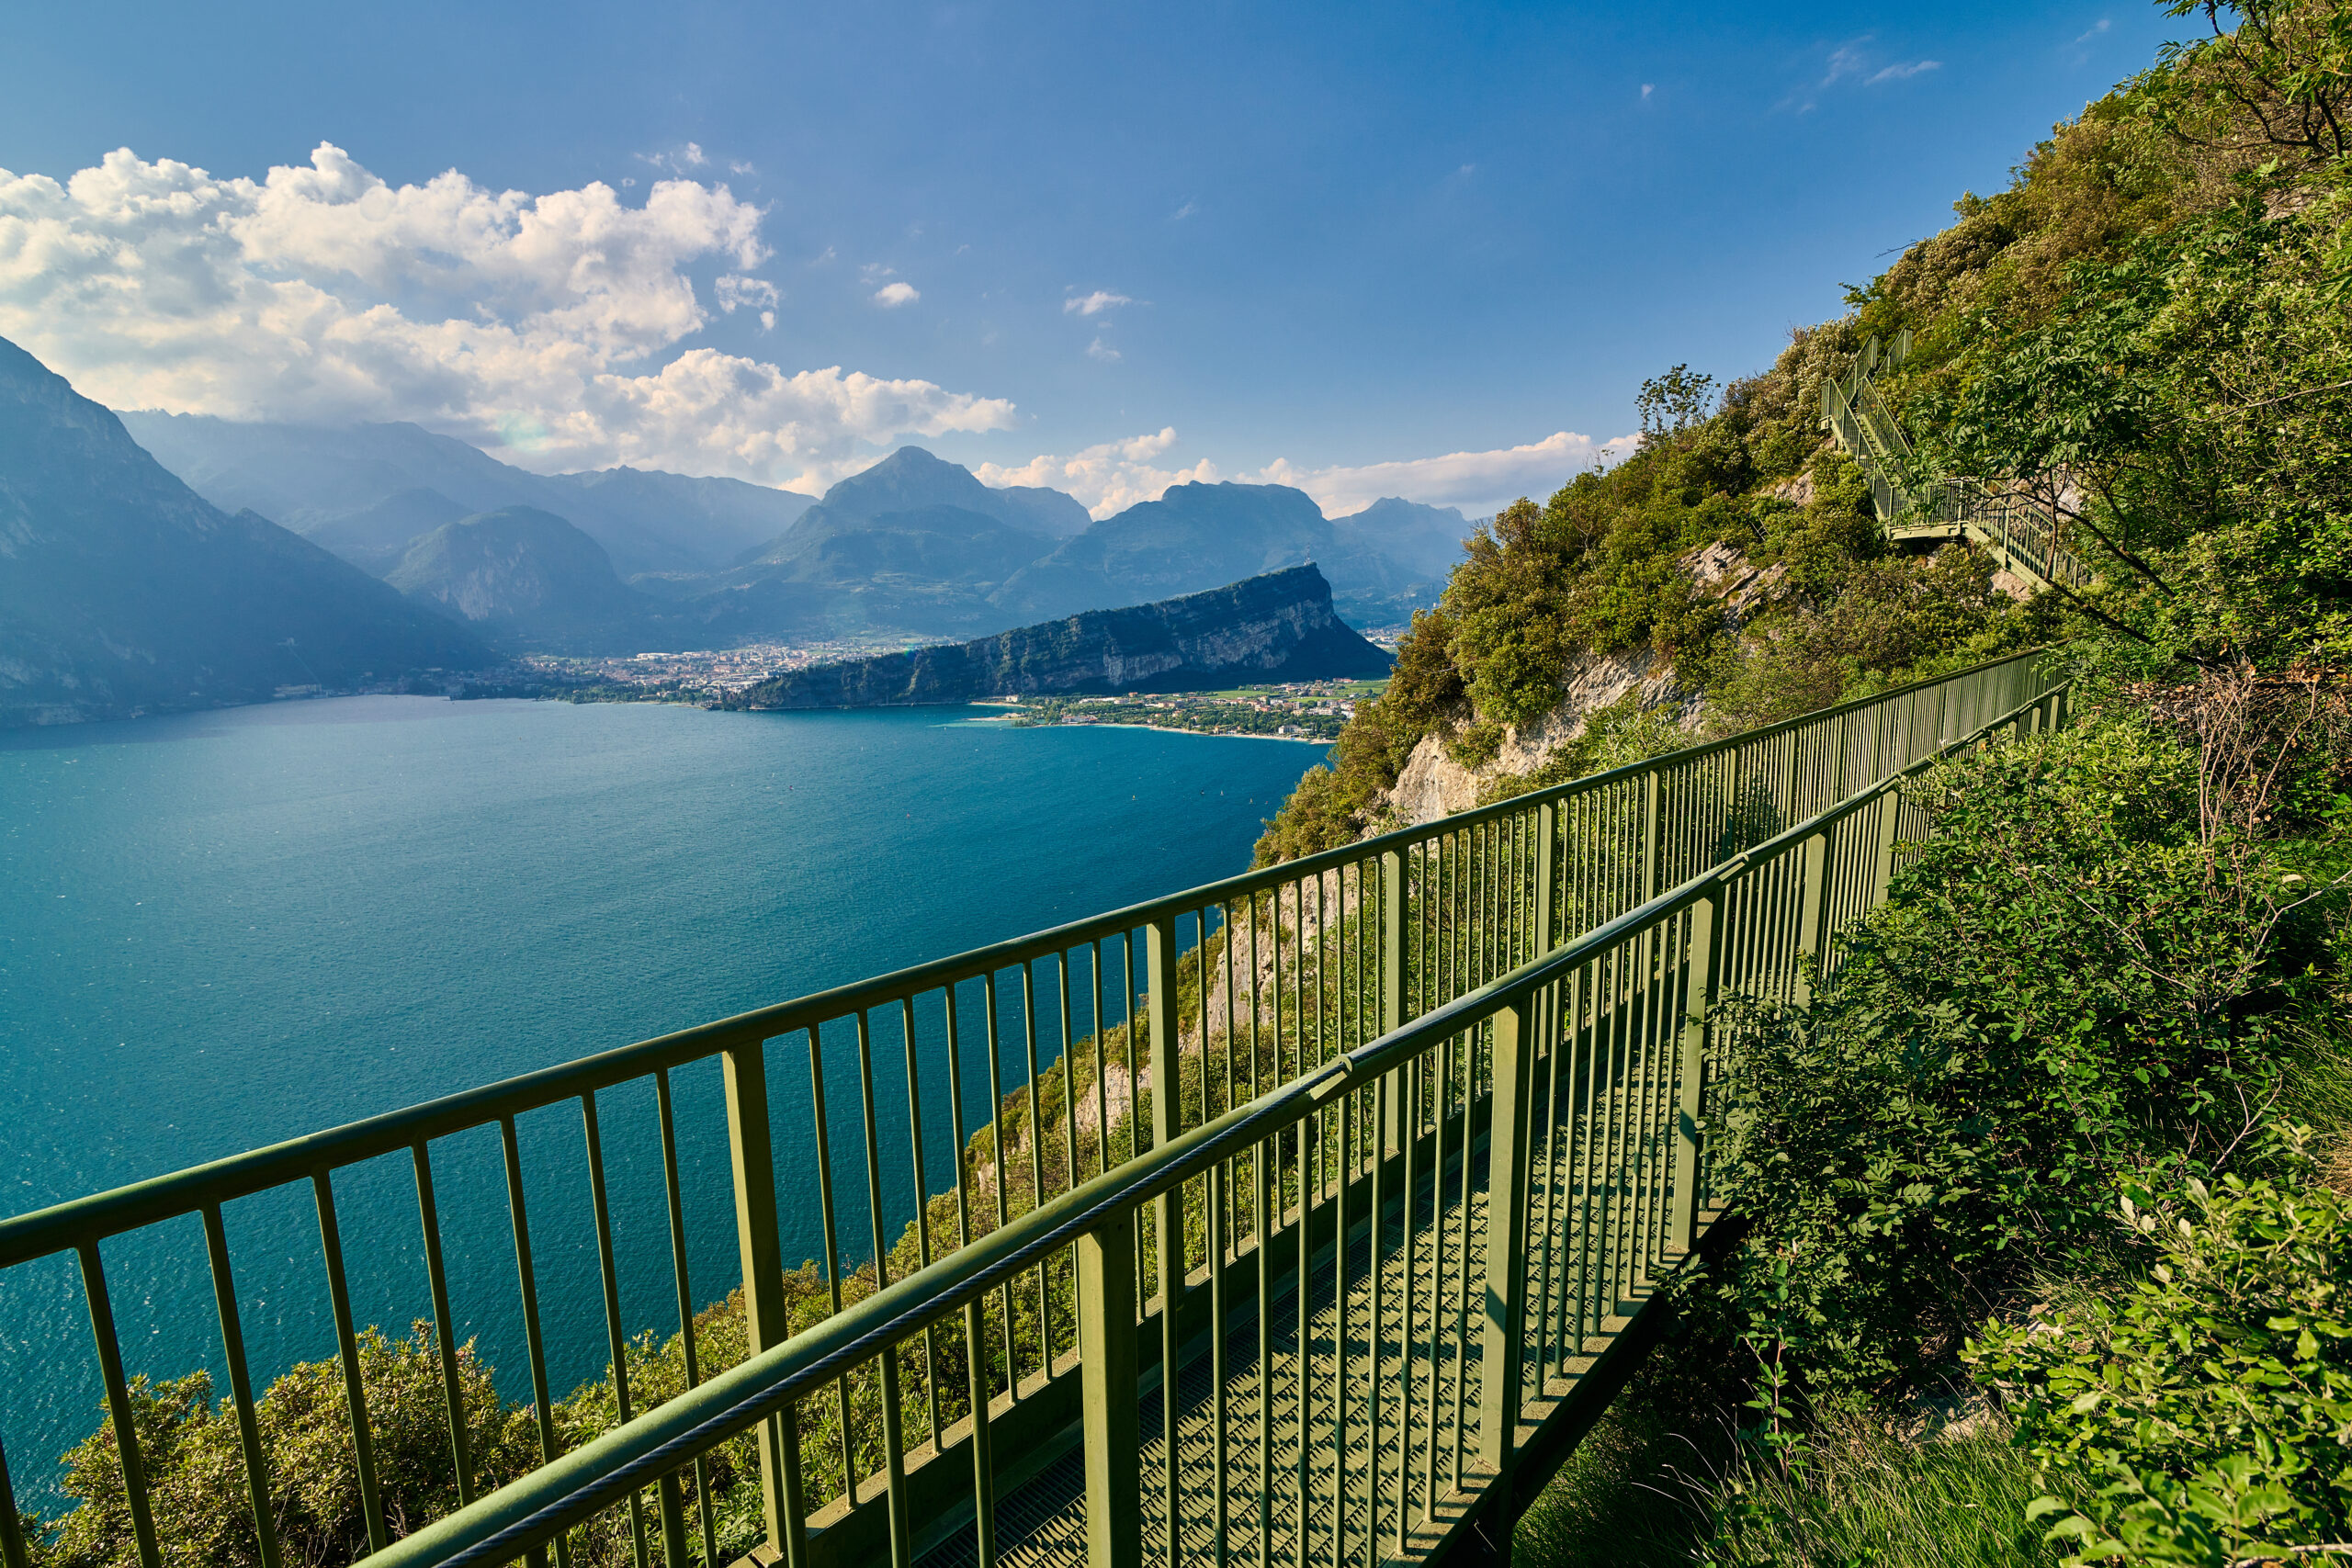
2049 1257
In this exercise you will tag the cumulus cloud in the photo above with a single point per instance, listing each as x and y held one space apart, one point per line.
1480 483
548 329
1118 474
1108 477
1103 351
1094 304
890 296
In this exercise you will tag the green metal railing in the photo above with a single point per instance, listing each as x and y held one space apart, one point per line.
2021 534
1329 1290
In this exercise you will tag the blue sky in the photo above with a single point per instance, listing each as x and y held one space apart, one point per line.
1098 246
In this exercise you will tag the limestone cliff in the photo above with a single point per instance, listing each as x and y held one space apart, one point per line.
1279 626
1433 784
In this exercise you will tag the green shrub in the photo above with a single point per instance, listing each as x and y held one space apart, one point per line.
2066 989
2203 1414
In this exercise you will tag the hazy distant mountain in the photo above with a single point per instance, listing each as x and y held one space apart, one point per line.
525 578
123 590
911 480
315 476
1426 541
1194 536
912 543
1279 626
377 537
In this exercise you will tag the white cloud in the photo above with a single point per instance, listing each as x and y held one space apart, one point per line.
1480 483
734 291
1109 478
1647 88
1184 211
2095 30
1847 59
544 328
890 296
1094 304
1103 351
1900 73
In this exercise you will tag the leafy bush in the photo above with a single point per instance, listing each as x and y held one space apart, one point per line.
2203 1414
2057 996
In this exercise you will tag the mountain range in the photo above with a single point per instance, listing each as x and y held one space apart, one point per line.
913 545
142 571
123 592
365 490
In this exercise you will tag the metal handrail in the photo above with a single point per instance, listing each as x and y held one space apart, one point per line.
582 1483
61 1226
1424 915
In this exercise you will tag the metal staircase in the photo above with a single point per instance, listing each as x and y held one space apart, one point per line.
2020 534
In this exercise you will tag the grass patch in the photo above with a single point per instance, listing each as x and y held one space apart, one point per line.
1643 1491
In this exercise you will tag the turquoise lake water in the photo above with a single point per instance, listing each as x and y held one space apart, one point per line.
222 930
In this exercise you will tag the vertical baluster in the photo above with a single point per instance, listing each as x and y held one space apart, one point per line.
1168 1209
1408 1083
608 1271
1107 1359
1265 1196
444 1329
1699 991
1503 1331
673 1195
1101 1064
240 1395
12 1552
894 1453
1442 1104
821 1124
922 1203
975 1317
533 1339
118 1387
766 1321
996 1155
363 1445
1037 1151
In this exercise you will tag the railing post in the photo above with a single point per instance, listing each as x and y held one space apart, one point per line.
1168 1209
1547 832
1106 1347
766 1322
1650 834
1392 989
1690 1063
1890 815
1508 1179
1811 905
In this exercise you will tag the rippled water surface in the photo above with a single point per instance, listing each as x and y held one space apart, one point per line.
224 929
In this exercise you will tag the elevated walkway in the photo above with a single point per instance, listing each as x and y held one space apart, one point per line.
2019 534
1398 1218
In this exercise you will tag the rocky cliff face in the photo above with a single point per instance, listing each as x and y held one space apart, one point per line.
1279 626
1433 784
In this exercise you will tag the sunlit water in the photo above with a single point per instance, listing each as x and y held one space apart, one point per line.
220 931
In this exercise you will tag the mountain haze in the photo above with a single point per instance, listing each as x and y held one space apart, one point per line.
313 478
123 590
526 577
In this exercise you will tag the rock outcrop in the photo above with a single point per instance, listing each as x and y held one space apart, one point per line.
1279 626
1433 784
